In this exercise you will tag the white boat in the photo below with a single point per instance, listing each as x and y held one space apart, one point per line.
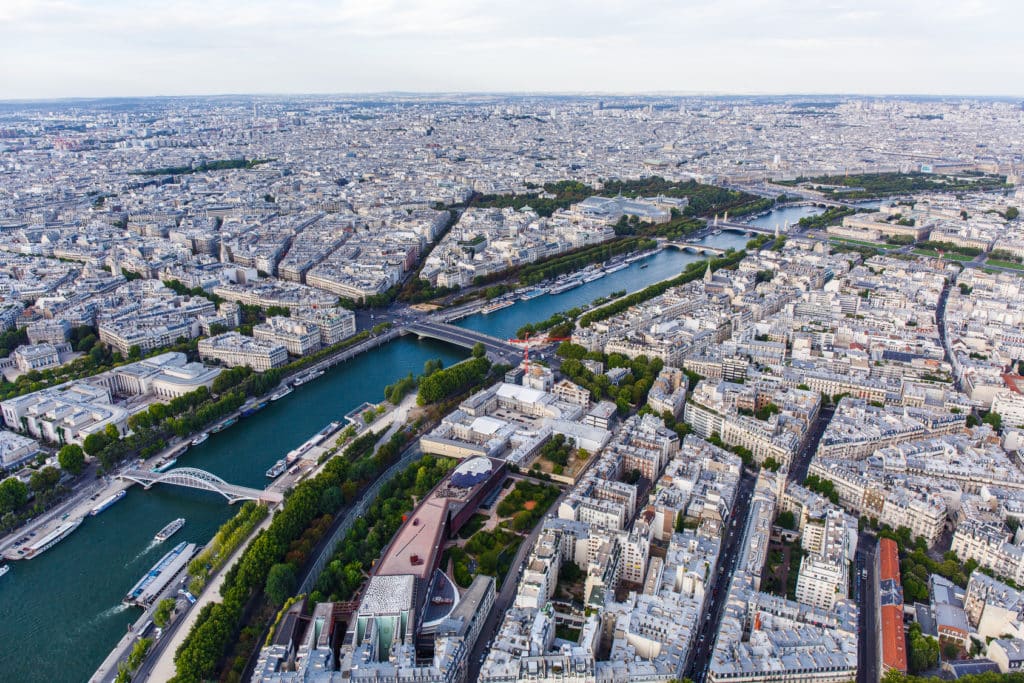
51 539
200 439
107 502
616 268
565 286
532 293
278 395
299 381
163 572
277 469
4 569
497 305
594 276
169 530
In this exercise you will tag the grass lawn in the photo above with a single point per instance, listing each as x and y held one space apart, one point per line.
1004 264
948 255
873 245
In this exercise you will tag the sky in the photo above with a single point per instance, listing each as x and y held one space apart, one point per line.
99 48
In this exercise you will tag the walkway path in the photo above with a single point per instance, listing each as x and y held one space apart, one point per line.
160 665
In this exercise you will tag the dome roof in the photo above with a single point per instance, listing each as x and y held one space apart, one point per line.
471 472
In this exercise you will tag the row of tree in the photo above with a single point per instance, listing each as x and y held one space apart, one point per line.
363 543
692 272
306 515
449 382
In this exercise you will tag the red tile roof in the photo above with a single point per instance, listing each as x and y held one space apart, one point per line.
888 560
894 643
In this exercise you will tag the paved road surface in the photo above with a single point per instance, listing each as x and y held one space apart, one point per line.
700 654
866 587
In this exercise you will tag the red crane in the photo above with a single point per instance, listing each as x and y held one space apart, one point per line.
528 344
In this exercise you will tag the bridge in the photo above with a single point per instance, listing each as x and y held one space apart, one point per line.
696 248
744 228
192 478
463 337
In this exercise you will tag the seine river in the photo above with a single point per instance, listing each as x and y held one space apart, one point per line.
62 611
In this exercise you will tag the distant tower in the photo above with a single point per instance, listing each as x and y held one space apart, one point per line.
707 273
777 231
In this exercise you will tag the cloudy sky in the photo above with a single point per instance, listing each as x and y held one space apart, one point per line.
84 48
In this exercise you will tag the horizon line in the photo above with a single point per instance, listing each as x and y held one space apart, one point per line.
517 93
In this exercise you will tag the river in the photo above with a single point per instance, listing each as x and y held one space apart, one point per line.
666 264
62 611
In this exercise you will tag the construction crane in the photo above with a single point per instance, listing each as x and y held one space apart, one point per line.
528 343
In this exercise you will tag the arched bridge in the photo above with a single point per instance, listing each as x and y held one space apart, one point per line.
695 248
193 478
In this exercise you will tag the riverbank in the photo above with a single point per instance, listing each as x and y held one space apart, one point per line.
67 600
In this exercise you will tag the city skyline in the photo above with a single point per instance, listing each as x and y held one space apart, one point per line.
74 49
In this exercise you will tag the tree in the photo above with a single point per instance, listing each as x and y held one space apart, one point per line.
923 650
479 351
94 443
163 612
44 480
13 494
522 520
994 419
280 583
1011 213
71 458
786 520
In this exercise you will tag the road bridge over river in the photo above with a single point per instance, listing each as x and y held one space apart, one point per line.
499 349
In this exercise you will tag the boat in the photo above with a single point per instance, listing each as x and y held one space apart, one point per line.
277 469
302 379
169 530
224 425
163 464
644 265
51 539
716 232
162 573
328 428
107 502
200 439
532 293
4 569
565 286
596 275
495 306
616 268
278 395
253 408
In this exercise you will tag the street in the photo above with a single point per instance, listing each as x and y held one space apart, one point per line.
700 654
866 596
802 461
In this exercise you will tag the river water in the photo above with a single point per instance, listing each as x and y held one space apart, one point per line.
62 612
